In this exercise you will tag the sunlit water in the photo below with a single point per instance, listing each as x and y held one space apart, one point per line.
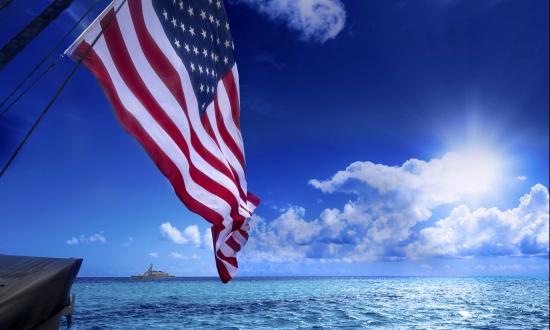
313 303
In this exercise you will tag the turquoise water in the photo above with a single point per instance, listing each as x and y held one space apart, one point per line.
313 303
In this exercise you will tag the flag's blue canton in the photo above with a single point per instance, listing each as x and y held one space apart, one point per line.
199 33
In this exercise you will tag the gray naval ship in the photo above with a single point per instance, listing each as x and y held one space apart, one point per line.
151 274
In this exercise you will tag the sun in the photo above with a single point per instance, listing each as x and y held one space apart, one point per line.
479 157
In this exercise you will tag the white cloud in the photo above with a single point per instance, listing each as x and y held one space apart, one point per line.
380 221
177 255
519 231
191 234
72 241
83 239
435 182
153 254
206 242
521 178
316 20
97 238
286 238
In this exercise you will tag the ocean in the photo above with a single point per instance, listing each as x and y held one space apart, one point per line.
313 303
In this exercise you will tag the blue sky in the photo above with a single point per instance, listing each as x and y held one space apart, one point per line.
383 137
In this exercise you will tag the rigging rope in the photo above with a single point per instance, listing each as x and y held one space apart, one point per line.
29 32
58 92
4 4
42 61
29 87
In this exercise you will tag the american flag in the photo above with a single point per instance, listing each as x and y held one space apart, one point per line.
169 71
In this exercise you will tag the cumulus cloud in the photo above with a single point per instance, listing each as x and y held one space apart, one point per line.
519 231
388 204
315 20
153 254
85 239
191 234
206 242
177 255
438 181
286 238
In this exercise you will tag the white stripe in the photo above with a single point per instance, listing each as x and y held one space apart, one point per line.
229 267
251 206
236 78
166 100
239 238
222 235
227 250
244 211
157 134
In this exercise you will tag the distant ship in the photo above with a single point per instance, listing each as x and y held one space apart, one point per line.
151 274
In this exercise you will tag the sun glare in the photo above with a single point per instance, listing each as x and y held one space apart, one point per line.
480 161
476 171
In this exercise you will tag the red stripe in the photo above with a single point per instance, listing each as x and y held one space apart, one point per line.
253 199
236 175
208 128
163 162
244 234
236 225
222 270
131 77
233 244
226 137
171 79
231 89
230 260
